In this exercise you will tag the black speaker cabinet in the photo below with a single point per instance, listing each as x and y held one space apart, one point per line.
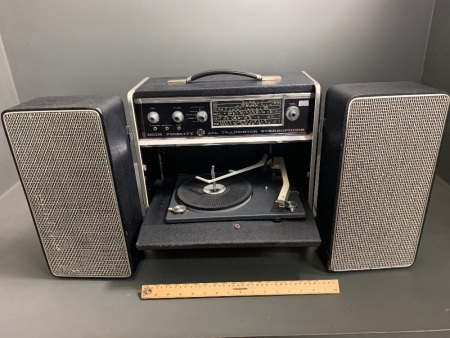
74 161
380 145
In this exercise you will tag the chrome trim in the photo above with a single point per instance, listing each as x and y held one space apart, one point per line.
207 141
136 150
209 98
315 149
344 145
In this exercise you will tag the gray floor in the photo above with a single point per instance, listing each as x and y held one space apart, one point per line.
35 304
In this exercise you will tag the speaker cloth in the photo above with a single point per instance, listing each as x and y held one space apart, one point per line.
63 162
389 157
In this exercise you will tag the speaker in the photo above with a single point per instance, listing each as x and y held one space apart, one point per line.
74 160
380 143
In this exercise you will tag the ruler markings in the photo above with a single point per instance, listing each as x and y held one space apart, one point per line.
240 289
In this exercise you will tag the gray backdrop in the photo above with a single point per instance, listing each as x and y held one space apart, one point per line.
97 46
437 71
8 98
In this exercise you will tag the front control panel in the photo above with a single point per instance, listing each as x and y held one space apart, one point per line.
225 117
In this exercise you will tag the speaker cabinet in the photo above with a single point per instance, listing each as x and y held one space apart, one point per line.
380 145
74 160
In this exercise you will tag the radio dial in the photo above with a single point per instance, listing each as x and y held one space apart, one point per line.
292 113
177 116
153 117
202 116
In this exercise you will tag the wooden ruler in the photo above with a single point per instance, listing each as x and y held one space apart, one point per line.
240 289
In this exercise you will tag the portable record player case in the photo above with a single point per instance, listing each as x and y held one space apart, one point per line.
185 130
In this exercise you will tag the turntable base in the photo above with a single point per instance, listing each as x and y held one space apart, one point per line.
261 205
157 234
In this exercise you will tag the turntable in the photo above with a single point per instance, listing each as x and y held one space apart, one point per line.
241 194
226 161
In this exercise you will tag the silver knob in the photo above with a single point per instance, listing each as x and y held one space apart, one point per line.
177 116
153 117
177 209
200 132
202 116
292 113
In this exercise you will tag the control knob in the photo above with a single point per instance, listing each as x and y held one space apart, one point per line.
202 116
153 117
177 116
292 113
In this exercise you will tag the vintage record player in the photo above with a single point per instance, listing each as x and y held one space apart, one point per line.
226 159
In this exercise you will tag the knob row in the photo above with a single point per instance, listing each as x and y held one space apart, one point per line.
177 116
292 114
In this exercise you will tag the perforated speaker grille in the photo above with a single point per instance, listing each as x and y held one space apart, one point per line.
390 151
64 166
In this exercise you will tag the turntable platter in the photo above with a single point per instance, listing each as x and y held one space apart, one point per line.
231 192
257 201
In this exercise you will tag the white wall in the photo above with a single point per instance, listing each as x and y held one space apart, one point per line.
95 46
437 71
8 98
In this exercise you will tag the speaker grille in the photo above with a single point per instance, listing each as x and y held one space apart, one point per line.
389 157
65 170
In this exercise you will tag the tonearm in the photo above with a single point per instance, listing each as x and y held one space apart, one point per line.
277 164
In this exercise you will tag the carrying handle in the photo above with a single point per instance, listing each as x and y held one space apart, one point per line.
251 75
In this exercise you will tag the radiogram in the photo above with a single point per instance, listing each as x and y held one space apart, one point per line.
226 159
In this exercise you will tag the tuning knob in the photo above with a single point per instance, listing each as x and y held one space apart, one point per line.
292 113
153 117
177 116
202 116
